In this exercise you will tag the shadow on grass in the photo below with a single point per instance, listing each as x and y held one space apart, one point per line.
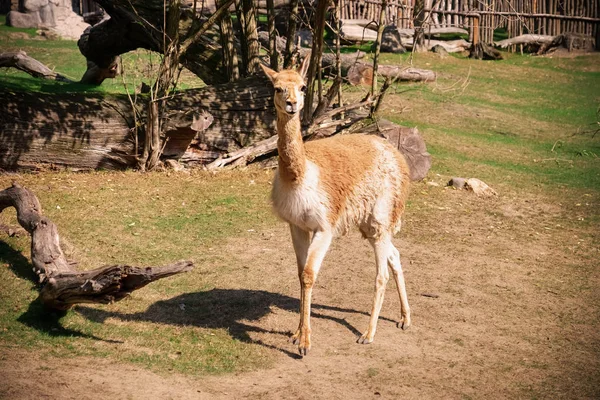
19 264
37 316
230 309
47 322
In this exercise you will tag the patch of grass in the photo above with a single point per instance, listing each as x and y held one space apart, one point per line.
4 29
64 57
150 219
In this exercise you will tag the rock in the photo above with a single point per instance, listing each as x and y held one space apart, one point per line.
55 14
412 146
391 41
441 50
479 188
34 5
458 183
23 20
47 16
306 38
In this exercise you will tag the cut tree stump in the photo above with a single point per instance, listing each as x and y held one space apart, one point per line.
482 51
61 285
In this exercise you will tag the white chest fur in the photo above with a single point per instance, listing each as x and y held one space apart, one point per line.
303 204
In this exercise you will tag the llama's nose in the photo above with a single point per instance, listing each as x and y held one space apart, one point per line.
291 107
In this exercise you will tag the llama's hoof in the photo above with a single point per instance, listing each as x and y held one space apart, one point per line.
303 350
403 324
295 338
364 339
302 341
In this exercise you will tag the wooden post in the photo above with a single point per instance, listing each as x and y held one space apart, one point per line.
315 59
475 29
273 53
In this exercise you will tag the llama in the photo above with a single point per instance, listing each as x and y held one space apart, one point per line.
324 187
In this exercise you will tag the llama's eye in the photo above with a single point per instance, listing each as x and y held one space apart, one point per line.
279 90
303 89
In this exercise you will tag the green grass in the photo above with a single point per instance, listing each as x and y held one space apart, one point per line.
500 121
64 57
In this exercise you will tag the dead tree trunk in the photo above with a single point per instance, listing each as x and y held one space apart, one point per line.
61 285
230 59
290 43
246 14
315 61
87 131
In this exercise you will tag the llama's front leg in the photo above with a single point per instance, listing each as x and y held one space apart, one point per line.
316 252
301 242
382 252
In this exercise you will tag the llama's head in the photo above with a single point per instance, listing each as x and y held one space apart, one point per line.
289 87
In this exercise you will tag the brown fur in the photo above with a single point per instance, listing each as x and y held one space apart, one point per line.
291 151
338 176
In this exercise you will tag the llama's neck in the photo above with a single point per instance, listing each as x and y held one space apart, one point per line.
292 159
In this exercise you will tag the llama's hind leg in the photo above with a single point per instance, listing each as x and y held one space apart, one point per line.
381 246
396 267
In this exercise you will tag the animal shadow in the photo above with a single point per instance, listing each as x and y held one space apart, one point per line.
232 309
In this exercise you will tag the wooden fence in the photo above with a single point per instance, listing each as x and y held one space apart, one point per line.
544 17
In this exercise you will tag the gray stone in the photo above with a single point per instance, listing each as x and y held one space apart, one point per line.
306 38
34 5
441 50
47 15
391 41
23 20
458 183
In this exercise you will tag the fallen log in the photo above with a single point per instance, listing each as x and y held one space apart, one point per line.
430 32
90 131
570 41
451 46
61 285
364 30
362 74
21 61
524 39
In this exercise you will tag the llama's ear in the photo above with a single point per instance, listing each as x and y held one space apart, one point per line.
269 72
303 68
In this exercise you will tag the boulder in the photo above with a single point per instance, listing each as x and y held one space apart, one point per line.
391 41
458 183
440 50
23 20
480 188
47 16
306 38
34 5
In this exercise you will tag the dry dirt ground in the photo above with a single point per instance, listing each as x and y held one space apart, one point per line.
505 301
